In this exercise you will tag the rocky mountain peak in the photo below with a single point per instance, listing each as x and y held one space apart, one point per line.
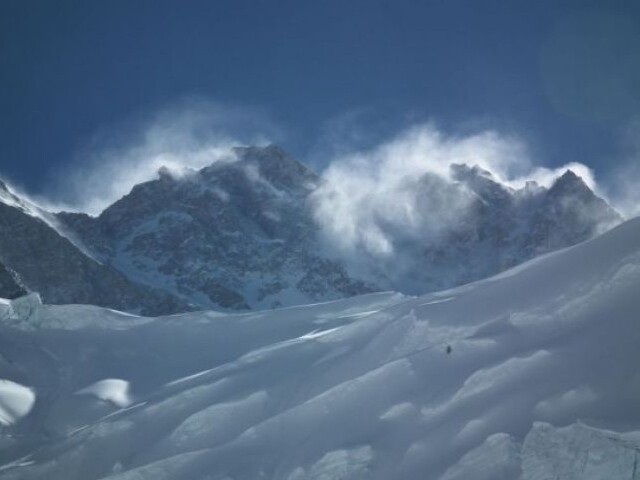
165 174
531 187
482 183
236 234
569 183
241 233
570 192
570 176
276 166
462 172
571 212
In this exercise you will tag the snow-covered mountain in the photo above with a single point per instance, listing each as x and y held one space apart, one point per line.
503 227
242 234
528 375
47 259
237 234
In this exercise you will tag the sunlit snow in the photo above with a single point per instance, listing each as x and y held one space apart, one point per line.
531 375
16 401
112 390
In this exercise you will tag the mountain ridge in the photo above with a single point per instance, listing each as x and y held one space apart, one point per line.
240 234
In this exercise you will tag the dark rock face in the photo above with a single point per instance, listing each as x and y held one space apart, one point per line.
570 213
51 265
241 234
11 285
237 234
504 227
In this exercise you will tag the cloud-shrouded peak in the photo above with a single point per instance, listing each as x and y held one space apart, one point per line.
276 165
464 171
383 186
570 180
424 189
422 211
187 136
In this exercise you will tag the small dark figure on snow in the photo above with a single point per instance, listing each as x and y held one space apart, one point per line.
449 349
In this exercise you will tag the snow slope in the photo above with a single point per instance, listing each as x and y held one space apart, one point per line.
40 254
541 382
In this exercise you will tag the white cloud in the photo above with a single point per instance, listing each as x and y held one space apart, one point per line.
621 181
546 176
374 203
192 134
621 187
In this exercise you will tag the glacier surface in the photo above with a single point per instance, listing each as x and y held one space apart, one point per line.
528 375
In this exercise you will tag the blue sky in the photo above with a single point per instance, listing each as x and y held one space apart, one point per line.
559 74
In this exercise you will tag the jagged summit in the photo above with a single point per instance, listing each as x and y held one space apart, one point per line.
570 176
531 188
571 186
275 165
462 171
165 174
241 233
269 163
503 227
236 234
482 183
569 180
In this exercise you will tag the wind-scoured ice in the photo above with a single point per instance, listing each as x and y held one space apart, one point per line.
530 375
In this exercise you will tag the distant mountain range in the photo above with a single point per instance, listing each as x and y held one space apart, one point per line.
240 234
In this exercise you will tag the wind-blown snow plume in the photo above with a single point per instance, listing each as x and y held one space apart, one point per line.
374 201
192 134
622 180
622 188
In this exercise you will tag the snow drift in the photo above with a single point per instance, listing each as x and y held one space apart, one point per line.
532 375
